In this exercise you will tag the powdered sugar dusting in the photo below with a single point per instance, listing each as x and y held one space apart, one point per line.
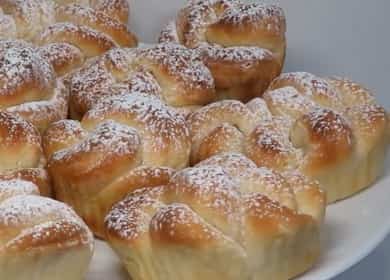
177 218
180 211
66 32
288 101
33 216
29 209
246 56
153 119
329 124
131 217
299 118
258 15
181 62
208 182
21 65
314 87
14 187
17 130
109 138
62 54
89 15
150 71
198 17
42 113
28 85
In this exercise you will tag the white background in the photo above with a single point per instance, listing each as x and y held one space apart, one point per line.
327 37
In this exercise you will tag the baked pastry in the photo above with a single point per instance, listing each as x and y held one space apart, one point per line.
223 219
169 72
21 154
242 44
41 239
29 86
122 143
331 130
28 19
71 31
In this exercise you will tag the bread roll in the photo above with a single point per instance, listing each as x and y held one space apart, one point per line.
125 142
29 86
40 238
169 72
242 44
223 219
21 154
330 129
70 32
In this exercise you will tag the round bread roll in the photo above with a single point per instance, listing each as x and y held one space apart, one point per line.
331 130
223 219
21 154
40 238
70 31
242 44
122 143
169 72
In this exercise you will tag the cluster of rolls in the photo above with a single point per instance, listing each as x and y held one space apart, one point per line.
195 158
42 43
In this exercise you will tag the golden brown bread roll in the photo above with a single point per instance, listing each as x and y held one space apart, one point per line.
71 31
123 143
223 219
329 129
169 72
26 19
242 44
29 86
21 154
40 238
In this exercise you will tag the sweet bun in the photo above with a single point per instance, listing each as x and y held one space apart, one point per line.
27 19
70 32
40 238
223 219
242 44
123 143
331 130
21 154
169 72
29 85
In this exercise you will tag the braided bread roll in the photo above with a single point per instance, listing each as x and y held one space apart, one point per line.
21 154
223 219
29 86
70 31
242 44
169 72
331 130
120 144
40 238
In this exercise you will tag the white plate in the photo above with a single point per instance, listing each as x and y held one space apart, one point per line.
327 38
353 228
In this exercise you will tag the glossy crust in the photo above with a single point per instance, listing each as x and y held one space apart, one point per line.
223 219
40 238
242 44
168 72
330 129
21 154
118 146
